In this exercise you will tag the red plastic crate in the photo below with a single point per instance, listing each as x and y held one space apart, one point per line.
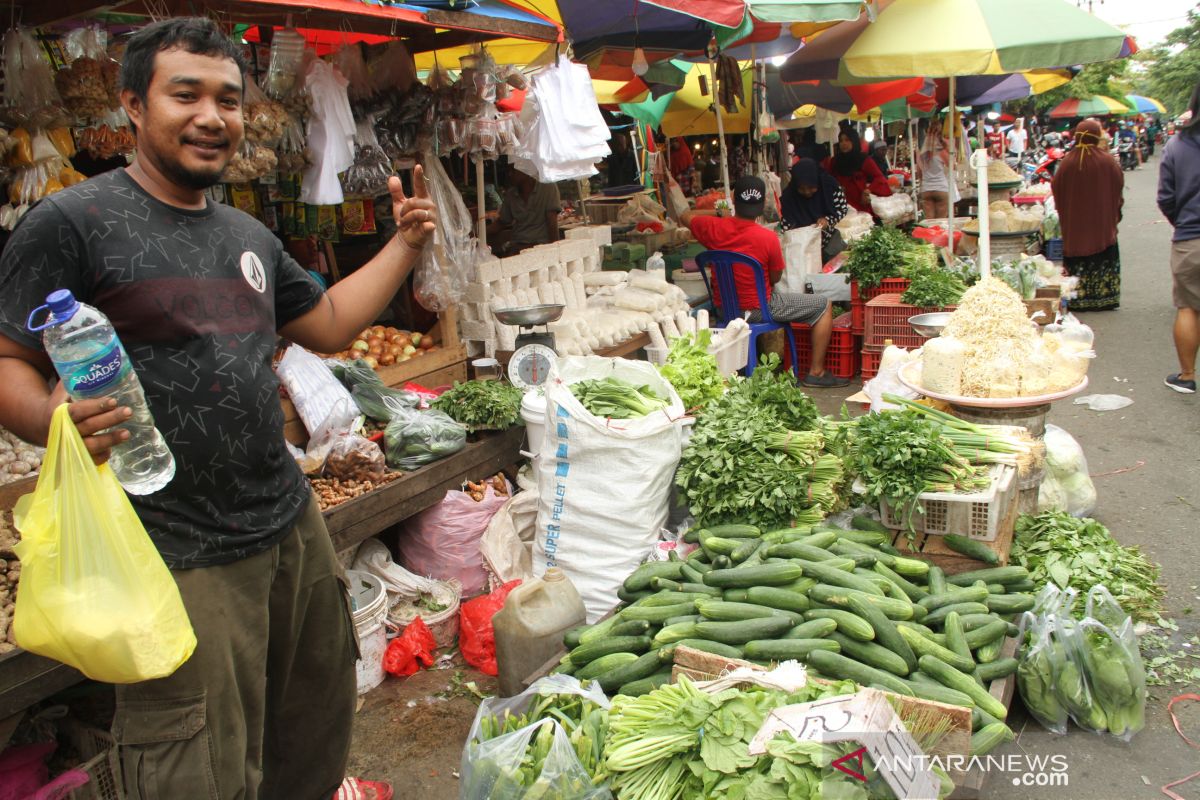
887 318
841 357
870 362
858 300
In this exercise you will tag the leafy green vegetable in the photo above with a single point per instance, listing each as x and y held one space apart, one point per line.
693 371
776 392
616 399
481 405
933 288
1081 553
878 255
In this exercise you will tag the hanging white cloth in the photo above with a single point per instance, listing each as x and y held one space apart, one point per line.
565 132
331 132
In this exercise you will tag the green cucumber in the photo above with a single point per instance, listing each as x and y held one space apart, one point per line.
690 574
691 536
936 580
1006 575
952 678
935 618
1000 668
643 667
1023 587
675 633
924 646
676 620
989 652
886 633
972 621
848 623
758 575
859 557
658 614
914 592
700 588
955 636
862 522
773 597
742 631
869 538
840 597
969 594
743 551
599 630
633 627
838 666
725 611
813 629
696 558
632 597
785 535
799 586
924 630
665 584
997 588
668 597
590 651
1007 604
871 654
646 685
836 577
716 545
639 579
571 637
932 690
735 531
971 548
757 556
910 567
787 649
736 595
821 539
988 633
800 550
990 737
980 718
716 648
594 669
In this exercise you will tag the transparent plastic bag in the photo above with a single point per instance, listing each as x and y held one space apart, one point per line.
492 768
367 177
442 278
1037 672
287 59
1067 471
314 390
381 403
30 96
349 61
416 438
1072 681
1109 649
265 119
353 458
95 593
394 70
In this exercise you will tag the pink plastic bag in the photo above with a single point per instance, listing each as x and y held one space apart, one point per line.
443 542
23 774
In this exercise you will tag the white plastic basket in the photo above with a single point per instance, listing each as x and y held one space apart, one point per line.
731 355
976 516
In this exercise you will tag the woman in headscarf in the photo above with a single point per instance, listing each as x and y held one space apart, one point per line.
933 170
1087 193
813 197
856 173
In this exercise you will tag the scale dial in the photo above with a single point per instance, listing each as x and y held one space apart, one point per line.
531 366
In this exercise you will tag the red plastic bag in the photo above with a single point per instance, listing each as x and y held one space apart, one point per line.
476 636
411 650
936 235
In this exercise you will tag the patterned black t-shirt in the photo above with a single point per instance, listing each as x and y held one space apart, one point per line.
196 297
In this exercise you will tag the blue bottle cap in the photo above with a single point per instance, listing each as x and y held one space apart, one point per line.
62 304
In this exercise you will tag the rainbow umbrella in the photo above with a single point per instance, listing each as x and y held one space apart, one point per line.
1144 105
1094 106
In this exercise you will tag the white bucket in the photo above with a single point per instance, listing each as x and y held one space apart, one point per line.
370 611
533 412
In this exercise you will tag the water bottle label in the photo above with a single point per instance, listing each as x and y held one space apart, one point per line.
97 375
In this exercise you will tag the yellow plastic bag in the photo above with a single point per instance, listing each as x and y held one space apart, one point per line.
94 593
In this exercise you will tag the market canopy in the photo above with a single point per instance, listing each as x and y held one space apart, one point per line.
949 38
784 98
1094 106
507 50
688 112
1144 105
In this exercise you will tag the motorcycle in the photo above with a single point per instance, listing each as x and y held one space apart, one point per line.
1126 155
1043 171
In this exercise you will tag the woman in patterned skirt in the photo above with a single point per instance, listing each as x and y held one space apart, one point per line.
1087 190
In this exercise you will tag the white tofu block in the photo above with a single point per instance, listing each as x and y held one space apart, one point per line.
522 281
488 271
478 292
478 330
515 265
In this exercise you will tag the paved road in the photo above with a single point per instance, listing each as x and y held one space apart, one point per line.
1154 505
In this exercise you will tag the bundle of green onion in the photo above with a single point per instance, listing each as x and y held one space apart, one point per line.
982 444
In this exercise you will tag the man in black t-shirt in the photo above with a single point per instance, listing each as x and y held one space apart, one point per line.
197 293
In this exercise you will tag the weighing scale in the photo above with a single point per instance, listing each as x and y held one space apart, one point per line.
534 358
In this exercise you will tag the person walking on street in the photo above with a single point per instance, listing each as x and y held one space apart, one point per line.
1179 201
1087 189
198 293
1017 139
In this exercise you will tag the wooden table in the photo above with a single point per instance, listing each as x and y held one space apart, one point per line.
26 678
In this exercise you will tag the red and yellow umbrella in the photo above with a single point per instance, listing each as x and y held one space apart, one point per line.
1094 106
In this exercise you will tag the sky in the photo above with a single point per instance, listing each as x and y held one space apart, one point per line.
1148 21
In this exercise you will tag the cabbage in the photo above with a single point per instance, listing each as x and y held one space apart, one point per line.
1064 456
1051 496
1081 494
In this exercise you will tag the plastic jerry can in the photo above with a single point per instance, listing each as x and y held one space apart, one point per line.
530 627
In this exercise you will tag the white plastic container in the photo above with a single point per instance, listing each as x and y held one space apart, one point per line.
369 602
533 412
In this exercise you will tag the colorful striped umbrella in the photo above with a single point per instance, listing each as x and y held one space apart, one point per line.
952 38
1094 106
1144 105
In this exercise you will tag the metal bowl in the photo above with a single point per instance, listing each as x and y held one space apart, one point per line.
930 325
529 315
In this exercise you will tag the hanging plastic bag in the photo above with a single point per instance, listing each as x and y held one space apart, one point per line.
416 438
491 761
265 118
447 265
95 593
349 61
443 541
1037 672
411 650
476 636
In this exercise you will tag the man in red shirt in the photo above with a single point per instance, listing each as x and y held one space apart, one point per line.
742 234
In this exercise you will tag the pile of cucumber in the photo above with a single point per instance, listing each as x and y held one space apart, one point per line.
845 602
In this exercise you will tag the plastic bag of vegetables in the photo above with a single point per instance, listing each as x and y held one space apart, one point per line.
1037 672
416 438
1073 681
545 742
1109 647
1067 486
380 402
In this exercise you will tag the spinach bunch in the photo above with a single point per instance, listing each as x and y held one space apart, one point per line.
933 288
481 405
878 255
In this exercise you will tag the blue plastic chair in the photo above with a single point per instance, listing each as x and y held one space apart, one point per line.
723 264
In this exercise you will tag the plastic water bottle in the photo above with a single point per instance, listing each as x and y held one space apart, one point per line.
92 364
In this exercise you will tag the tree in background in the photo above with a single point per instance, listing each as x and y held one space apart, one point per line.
1110 78
1173 68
